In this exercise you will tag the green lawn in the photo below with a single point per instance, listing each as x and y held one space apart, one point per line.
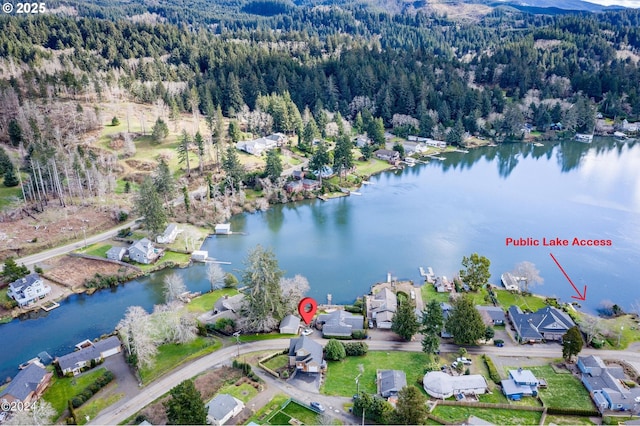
497 416
172 355
244 392
62 390
624 329
94 406
302 413
279 361
429 292
268 409
205 302
256 337
169 257
120 185
561 385
341 374
9 196
98 250
507 298
567 420
370 167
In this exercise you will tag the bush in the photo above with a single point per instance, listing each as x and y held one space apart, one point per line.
115 121
353 309
334 351
77 401
493 371
359 334
355 348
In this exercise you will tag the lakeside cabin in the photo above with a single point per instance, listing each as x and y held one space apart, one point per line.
509 282
223 229
199 255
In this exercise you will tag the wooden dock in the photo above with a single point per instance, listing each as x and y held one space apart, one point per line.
50 306
464 151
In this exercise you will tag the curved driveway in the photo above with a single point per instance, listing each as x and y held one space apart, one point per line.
125 409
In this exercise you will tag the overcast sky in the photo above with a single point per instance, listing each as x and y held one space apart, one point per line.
625 3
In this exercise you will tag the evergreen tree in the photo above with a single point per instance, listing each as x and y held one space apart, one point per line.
186 406
12 271
164 181
10 178
432 322
465 322
375 131
405 323
342 155
183 151
147 203
477 272
320 158
198 140
334 351
309 133
273 168
234 131
186 198
15 133
160 131
232 167
264 307
411 408
571 343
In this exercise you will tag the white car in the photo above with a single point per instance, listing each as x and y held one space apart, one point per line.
465 361
306 331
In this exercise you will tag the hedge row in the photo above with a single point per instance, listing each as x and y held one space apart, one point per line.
355 348
573 412
493 371
92 389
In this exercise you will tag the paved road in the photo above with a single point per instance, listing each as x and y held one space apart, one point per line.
45 255
125 409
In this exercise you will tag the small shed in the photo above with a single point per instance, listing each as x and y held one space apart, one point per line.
199 255
289 324
223 228
116 253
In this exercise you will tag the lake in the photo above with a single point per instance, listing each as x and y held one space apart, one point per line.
428 215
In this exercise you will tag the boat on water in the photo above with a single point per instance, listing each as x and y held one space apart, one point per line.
584 138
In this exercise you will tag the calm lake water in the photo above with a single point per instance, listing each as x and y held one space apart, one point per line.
427 215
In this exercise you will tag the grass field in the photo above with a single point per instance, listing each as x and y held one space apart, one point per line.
8 196
98 250
95 405
244 392
256 337
172 355
205 302
341 374
169 257
279 361
497 416
269 409
567 420
63 389
559 386
507 298
370 167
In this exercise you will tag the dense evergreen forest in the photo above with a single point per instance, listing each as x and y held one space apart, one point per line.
418 73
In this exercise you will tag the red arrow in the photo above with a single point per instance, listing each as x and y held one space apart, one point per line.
579 296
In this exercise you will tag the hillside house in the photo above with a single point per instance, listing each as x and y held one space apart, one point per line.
28 289
74 362
306 355
169 235
546 324
27 386
143 251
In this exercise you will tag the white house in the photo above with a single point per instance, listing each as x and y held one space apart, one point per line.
74 362
199 255
143 251
28 289
442 385
260 145
223 228
222 408
169 235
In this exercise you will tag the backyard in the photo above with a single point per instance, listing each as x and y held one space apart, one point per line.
61 390
294 410
206 301
341 374
496 416
561 384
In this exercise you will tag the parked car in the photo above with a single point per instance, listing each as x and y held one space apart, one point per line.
465 361
307 331
370 324
454 364
317 406
499 343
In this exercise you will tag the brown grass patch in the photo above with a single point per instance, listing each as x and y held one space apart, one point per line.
210 383
145 166
73 271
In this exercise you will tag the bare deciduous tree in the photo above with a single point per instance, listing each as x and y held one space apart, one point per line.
172 324
215 275
174 287
135 332
591 326
529 275
39 413
293 289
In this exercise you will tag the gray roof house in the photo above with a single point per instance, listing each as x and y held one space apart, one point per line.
116 253
546 323
169 235
520 383
28 289
143 251
606 385
491 315
307 355
222 408
381 307
28 385
289 324
387 155
74 362
390 382
340 323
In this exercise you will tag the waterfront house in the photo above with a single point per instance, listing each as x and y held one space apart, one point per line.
306 355
491 315
143 251
443 285
606 385
520 383
339 323
294 186
310 184
279 138
390 382
290 324
116 253
546 324
222 408
223 228
199 255
442 385
393 157
509 282
28 385
74 362
427 141
28 289
169 235
228 307
381 307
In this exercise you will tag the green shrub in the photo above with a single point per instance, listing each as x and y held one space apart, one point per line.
355 348
334 351
77 401
359 334
493 371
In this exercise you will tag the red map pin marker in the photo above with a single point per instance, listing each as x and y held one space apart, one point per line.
307 309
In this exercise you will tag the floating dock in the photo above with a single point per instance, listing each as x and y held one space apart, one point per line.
464 151
50 306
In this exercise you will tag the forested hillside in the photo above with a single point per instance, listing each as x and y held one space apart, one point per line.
424 74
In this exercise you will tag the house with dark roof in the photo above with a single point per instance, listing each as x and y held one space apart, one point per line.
381 307
74 362
27 386
339 323
306 355
606 385
519 384
222 408
143 251
390 156
491 315
545 324
28 289
290 324
390 382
